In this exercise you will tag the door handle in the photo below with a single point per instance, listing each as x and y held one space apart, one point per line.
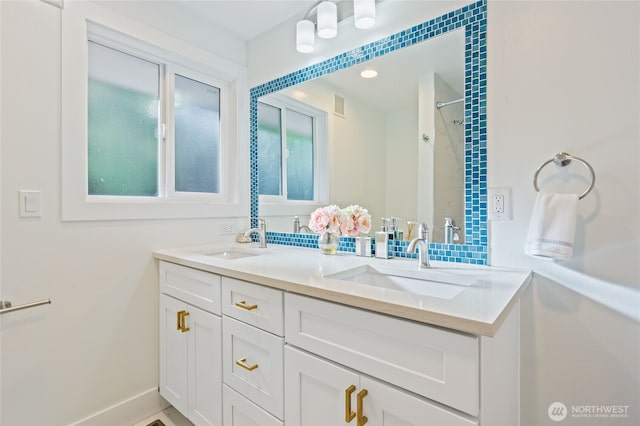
181 322
243 304
243 363
348 414
362 419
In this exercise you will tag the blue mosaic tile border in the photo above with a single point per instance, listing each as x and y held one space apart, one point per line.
473 18
442 252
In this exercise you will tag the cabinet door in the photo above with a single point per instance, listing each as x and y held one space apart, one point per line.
173 354
316 391
204 367
384 405
435 363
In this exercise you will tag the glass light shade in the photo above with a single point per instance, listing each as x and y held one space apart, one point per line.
305 38
327 19
364 13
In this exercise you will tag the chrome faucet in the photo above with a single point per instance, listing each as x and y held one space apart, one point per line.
261 231
421 243
297 228
450 231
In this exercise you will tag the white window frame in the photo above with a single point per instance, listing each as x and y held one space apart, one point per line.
82 21
279 205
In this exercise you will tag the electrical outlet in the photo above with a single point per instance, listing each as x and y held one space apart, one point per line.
499 204
227 229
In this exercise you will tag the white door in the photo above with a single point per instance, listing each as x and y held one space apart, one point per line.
204 367
384 405
173 353
317 392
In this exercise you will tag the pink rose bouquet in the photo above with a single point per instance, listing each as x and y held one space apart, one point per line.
349 221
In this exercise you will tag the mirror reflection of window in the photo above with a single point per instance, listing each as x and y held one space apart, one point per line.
269 149
300 168
287 146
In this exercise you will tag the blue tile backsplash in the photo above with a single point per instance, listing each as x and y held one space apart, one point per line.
473 18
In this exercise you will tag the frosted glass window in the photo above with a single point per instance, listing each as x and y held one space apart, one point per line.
269 150
300 170
123 119
197 136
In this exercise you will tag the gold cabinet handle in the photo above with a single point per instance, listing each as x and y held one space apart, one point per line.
348 414
243 304
181 322
243 363
362 419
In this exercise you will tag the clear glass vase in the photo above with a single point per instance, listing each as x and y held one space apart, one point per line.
328 243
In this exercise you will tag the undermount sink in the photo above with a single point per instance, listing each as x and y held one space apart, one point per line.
425 282
232 253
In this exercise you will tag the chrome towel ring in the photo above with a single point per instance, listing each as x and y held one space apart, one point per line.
561 159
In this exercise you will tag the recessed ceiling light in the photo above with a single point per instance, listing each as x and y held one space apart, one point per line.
369 73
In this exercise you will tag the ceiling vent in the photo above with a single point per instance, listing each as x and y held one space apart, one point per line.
338 105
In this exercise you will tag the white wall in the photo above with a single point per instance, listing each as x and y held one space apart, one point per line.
565 76
402 166
97 344
561 76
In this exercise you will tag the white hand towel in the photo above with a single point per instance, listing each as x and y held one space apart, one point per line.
553 226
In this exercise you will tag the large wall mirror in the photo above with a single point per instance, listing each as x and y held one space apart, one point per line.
410 143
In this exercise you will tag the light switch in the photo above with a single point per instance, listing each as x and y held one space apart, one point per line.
29 203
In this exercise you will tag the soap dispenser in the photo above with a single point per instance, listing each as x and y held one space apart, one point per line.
395 232
382 240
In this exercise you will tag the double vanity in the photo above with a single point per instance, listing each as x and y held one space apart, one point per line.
286 335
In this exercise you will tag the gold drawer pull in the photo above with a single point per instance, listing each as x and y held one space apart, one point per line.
348 414
243 304
243 363
362 419
181 324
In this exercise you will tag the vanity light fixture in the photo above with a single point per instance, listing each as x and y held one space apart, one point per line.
369 73
364 13
327 12
305 37
364 16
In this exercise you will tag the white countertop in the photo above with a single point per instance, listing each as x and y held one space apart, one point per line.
487 296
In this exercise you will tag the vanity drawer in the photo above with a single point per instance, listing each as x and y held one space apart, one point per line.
252 364
254 304
198 288
432 362
239 411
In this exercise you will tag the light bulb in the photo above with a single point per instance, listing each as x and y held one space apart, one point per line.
327 19
364 13
305 38
369 73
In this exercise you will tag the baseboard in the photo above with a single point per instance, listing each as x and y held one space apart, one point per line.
127 412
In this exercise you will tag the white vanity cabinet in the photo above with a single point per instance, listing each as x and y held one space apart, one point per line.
190 337
256 355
